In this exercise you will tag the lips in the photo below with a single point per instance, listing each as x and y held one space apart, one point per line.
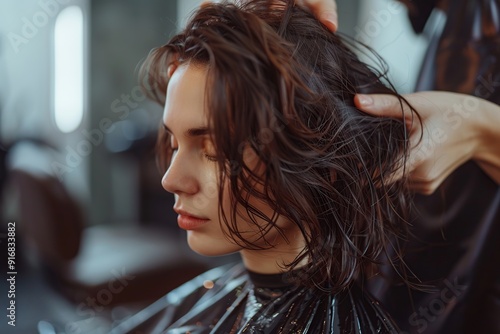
188 221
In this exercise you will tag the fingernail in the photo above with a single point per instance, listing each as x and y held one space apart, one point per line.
330 21
365 100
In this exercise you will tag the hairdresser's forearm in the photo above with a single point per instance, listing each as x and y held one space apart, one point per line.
487 154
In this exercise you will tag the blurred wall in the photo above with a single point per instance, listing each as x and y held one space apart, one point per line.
384 26
122 34
25 64
184 9
27 84
118 35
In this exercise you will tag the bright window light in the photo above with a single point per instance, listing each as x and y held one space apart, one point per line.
69 68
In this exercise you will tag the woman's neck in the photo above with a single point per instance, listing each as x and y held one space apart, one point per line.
274 260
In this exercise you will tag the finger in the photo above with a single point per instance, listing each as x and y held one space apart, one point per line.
383 105
324 10
408 163
386 105
425 187
432 173
394 177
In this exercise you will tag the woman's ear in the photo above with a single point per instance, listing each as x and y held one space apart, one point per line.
172 67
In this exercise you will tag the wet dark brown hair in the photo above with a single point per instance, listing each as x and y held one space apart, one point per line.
280 83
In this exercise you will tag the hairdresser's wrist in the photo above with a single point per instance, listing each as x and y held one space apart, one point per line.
487 153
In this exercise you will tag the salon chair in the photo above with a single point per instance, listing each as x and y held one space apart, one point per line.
107 265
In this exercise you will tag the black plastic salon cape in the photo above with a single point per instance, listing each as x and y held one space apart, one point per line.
457 229
233 300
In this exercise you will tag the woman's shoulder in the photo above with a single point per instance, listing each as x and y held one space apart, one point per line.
361 313
211 280
215 300
178 302
352 310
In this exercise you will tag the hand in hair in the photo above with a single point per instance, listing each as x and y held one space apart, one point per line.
324 10
456 128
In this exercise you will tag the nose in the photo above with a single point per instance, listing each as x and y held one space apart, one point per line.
179 179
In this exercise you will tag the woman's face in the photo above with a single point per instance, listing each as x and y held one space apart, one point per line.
193 174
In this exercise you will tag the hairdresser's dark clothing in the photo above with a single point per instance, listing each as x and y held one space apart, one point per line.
457 244
233 300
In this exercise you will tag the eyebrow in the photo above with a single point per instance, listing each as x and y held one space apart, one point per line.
193 132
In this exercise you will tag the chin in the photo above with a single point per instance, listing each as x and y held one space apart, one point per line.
207 246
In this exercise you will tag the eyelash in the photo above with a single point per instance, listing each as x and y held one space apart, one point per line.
207 156
210 158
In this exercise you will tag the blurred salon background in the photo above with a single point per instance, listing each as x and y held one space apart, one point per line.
96 238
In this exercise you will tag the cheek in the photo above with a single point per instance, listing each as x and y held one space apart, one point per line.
243 220
207 199
226 202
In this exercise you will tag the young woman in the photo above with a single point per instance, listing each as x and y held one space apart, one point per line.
267 156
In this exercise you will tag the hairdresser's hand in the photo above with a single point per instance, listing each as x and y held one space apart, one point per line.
455 128
324 10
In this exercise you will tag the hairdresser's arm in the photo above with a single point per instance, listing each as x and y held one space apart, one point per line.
456 128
